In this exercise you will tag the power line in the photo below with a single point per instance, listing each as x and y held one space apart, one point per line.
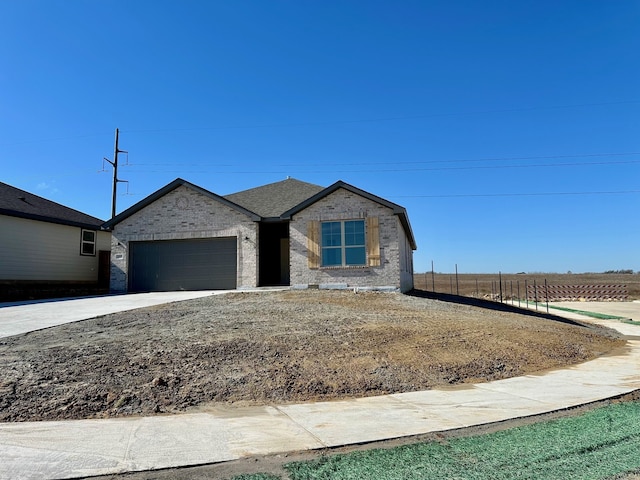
381 119
543 194
391 170
417 162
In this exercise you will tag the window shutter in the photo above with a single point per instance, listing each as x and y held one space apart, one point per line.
373 241
313 244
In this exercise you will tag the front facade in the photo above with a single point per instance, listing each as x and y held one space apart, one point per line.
186 239
47 246
289 233
347 238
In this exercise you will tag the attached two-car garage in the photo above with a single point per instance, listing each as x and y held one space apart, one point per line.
194 264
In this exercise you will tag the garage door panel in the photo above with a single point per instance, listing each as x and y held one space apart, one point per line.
202 264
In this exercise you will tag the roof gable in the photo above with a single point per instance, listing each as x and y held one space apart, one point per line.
19 203
279 200
397 209
169 188
271 200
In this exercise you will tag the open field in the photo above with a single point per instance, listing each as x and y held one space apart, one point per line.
480 284
275 347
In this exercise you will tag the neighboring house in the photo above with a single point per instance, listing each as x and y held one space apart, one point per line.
183 237
47 247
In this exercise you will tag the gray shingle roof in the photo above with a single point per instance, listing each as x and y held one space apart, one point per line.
273 199
18 203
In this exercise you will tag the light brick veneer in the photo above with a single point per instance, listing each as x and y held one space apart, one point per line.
396 266
185 214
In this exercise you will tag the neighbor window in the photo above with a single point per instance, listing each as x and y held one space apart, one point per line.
88 243
343 243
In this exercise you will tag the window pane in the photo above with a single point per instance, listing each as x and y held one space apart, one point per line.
331 234
355 256
88 236
88 248
354 232
331 257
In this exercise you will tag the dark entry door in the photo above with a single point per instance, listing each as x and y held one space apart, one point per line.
104 266
169 265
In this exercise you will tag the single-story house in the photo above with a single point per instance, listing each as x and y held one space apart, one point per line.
288 233
47 249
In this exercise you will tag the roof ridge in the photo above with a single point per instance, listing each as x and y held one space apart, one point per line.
270 200
288 179
40 207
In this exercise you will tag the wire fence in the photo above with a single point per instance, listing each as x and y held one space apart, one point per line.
528 289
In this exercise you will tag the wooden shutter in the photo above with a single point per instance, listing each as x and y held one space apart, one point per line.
313 244
373 241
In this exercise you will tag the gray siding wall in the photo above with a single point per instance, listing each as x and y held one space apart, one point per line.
185 214
41 251
406 262
344 205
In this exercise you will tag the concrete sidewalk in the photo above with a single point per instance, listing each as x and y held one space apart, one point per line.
629 310
69 449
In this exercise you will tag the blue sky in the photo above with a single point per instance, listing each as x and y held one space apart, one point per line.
499 125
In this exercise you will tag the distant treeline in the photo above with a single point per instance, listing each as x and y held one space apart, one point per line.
620 272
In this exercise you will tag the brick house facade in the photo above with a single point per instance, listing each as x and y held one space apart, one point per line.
286 233
390 268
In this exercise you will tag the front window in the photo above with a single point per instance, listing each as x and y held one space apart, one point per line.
88 243
343 243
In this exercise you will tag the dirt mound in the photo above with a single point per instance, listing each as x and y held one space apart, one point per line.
275 347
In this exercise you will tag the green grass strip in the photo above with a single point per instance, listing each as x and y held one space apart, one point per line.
631 322
601 316
599 444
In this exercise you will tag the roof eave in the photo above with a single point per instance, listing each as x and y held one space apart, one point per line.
397 209
169 188
47 219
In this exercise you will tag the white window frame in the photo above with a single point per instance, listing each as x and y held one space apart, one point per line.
88 243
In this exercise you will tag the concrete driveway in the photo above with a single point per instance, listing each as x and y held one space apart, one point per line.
22 317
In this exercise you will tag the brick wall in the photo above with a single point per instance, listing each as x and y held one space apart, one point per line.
185 214
345 205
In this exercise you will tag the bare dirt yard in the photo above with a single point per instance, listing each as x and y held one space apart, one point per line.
275 347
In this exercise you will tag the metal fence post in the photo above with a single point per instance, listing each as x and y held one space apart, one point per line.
433 279
457 285
511 287
546 292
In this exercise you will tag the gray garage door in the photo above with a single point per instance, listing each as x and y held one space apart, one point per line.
203 264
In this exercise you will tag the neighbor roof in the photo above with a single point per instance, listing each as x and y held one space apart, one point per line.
273 199
19 203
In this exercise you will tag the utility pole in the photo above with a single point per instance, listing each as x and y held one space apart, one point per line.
116 151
